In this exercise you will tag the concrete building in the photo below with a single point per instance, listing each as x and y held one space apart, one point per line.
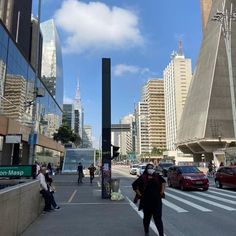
52 69
177 77
207 119
205 9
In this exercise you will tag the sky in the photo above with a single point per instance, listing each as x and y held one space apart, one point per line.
138 35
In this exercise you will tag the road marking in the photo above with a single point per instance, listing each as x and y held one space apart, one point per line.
223 190
203 200
173 206
188 203
72 196
217 198
91 203
222 194
140 213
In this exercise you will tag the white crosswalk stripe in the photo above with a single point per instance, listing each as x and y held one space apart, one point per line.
222 194
173 206
188 203
192 196
217 198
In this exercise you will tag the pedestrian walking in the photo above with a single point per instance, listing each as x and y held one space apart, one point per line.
92 170
80 173
149 188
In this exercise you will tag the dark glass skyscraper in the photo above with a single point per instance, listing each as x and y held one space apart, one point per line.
16 15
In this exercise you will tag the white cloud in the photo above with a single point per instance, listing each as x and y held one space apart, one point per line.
96 26
67 100
121 69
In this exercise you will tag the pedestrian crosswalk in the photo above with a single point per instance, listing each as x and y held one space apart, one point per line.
207 201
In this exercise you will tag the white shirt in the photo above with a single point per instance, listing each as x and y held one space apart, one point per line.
43 184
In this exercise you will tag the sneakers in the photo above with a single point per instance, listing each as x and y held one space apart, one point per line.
57 208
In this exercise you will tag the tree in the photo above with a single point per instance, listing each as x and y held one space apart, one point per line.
66 135
156 151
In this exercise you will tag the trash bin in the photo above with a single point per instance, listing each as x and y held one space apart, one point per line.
115 185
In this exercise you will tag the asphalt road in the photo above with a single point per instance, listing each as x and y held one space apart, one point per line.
191 213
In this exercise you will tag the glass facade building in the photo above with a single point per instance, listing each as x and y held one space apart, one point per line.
52 70
17 83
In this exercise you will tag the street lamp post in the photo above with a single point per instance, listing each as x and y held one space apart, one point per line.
225 18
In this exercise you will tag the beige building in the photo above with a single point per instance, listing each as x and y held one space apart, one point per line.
177 77
154 96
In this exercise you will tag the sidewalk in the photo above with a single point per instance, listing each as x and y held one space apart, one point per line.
84 213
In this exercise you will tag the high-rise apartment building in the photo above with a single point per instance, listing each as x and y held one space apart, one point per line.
156 114
52 70
16 16
205 8
177 78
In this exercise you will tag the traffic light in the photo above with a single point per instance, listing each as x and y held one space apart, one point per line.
115 151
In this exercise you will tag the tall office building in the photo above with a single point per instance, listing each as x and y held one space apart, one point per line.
69 115
177 78
141 137
126 141
154 93
52 70
205 9
87 137
79 113
16 16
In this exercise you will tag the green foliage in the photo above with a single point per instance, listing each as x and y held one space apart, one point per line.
156 151
66 135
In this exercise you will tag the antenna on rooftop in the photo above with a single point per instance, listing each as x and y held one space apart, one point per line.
180 48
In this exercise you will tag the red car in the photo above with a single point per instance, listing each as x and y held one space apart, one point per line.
187 177
226 176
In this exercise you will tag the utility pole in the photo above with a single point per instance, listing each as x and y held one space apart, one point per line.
225 18
32 134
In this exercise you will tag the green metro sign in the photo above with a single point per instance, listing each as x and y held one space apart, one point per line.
18 171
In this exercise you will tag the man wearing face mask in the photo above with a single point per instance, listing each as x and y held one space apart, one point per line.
150 187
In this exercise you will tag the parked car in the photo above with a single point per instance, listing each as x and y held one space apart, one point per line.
163 167
225 176
134 169
187 177
141 169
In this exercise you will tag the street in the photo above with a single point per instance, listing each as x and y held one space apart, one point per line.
191 213
185 213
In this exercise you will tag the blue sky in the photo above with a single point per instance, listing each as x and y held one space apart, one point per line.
139 37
